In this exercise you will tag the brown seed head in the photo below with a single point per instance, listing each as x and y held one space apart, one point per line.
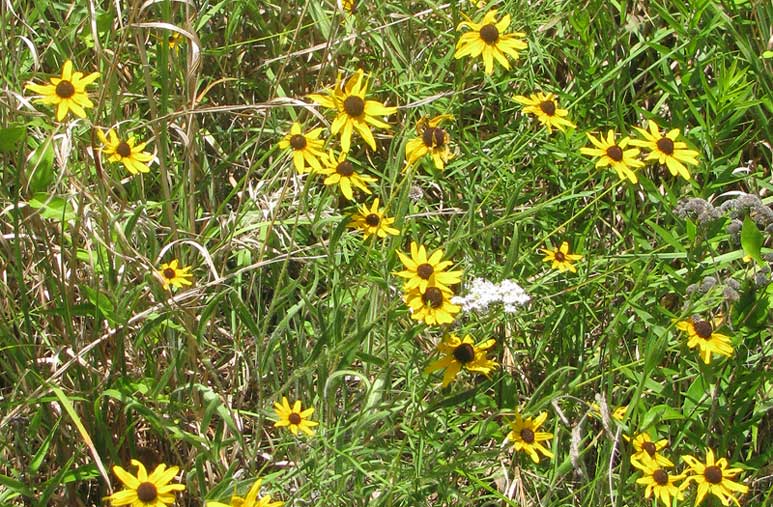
354 106
489 33
65 89
464 353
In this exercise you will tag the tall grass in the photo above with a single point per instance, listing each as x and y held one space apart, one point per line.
99 364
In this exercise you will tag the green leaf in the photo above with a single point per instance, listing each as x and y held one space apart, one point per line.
767 54
101 303
55 208
10 138
751 240
41 166
14 485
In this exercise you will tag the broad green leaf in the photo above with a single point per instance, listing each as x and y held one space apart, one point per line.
40 166
10 138
751 240
55 208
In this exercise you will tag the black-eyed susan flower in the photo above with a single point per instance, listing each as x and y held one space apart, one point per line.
433 306
561 258
488 38
251 500
701 333
713 477
307 148
525 436
294 418
127 152
666 149
146 490
175 275
462 354
340 171
348 6
354 112
371 221
432 140
424 271
545 107
68 92
174 40
658 481
618 414
613 154
645 449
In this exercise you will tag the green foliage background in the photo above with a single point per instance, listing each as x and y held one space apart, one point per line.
99 365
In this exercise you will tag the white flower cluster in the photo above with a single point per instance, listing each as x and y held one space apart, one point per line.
482 293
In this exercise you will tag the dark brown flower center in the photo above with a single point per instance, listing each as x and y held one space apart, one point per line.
649 448
372 220
146 492
433 137
665 145
169 273
345 168
489 33
464 353
123 149
713 474
615 153
425 271
354 106
527 435
294 418
432 297
298 142
660 477
703 329
560 257
548 107
65 89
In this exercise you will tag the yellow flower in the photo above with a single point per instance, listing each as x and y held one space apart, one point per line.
433 306
251 500
462 354
525 436
68 93
713 477
126 152
618 414
545 107
372 221
561 258
341 172
294 417
432 140
347 6
307 148
658 481
647 449
487 38
174 40
701 334
354 112
615 155
666 149
424 271
174 276
146 490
